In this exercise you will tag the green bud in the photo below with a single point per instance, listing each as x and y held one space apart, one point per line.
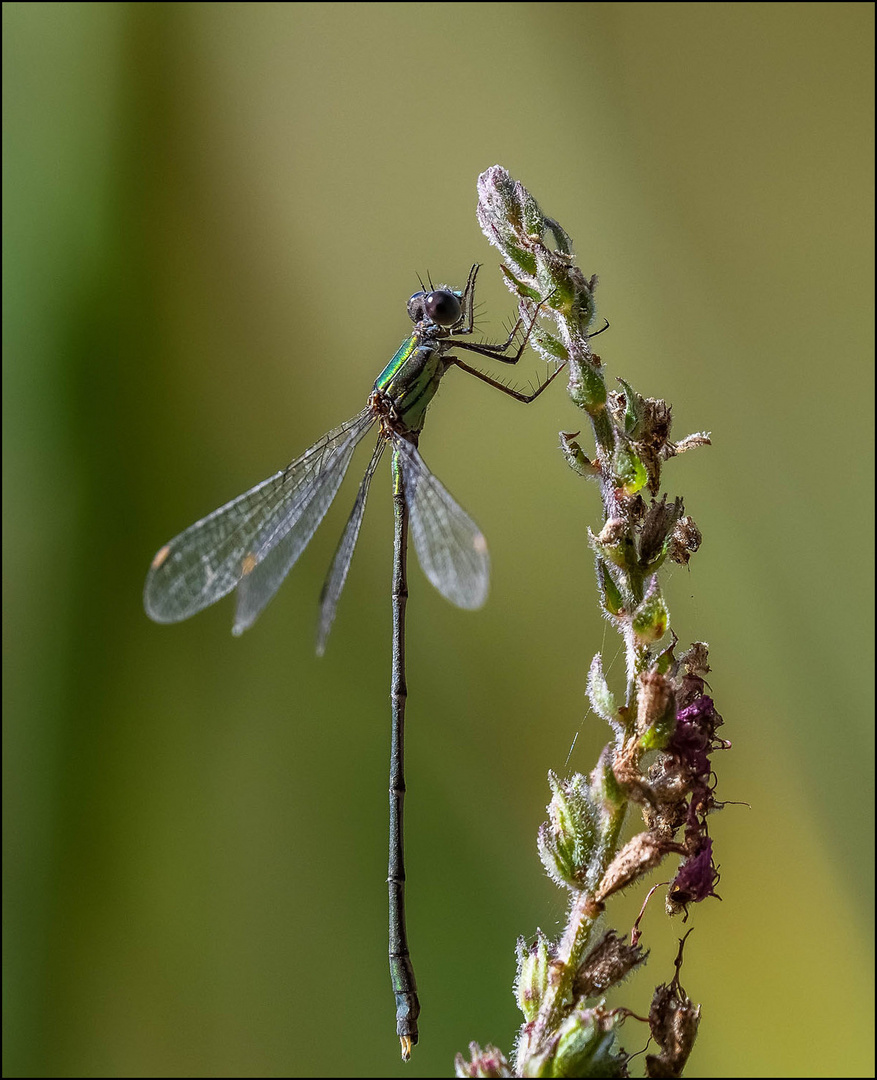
604 783
587 1046
502 191
486 1062
651 618
566 840
629 471
534 965
560 291
614 544
656 710
587 387
497 200
501 216
557 858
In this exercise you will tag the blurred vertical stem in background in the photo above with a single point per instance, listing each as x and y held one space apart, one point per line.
664 727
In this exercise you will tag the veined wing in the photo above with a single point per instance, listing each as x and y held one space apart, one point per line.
450 547
284 537
341 562
211 557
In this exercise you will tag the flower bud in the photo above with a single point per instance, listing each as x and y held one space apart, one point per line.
629 471
656 710
651 618
567 840
655 531
587 387
587 1046
533 970
486 1062
613 543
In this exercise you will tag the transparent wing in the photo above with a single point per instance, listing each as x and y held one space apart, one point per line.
341 563
450 547
220 551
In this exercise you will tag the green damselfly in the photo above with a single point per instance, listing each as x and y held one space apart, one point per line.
252 543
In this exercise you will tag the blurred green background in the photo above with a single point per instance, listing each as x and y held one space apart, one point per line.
213 215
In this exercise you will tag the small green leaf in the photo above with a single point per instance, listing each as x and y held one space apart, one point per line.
576 458
632 408
600 696
651 618
522 290
561 236
532 217
666 658
548 343
610 595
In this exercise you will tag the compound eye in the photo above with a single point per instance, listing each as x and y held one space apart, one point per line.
415 307
442 307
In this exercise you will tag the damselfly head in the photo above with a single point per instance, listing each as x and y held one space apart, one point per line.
439 306
442 307
415 307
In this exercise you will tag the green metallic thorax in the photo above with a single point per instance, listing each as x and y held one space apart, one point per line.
411 379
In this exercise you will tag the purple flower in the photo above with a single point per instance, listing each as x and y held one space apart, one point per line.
694 737
697 876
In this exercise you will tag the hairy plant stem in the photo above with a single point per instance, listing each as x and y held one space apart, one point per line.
662 734
583 915
584 911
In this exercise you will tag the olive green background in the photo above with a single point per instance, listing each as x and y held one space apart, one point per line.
213 216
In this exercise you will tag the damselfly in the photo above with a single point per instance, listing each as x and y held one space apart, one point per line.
252 543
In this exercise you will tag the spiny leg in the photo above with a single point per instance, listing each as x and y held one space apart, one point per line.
468 316
495 351
488 347
516 394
